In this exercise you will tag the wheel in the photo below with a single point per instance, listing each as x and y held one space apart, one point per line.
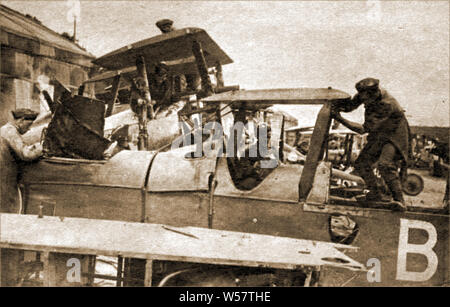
413 185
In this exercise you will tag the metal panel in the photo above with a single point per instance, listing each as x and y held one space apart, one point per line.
125 169
178 209
280 185
172 171
95 202
270 218
379 238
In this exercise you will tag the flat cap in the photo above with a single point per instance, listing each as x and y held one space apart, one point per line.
24 113
367 84
164 22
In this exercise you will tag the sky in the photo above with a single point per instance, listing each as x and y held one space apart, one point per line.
284 44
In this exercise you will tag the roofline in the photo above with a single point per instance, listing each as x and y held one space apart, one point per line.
86 53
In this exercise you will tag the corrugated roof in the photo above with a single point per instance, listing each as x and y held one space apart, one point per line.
16 23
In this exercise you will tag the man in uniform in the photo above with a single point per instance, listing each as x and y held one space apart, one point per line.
192 82
387 140
165 25
13 150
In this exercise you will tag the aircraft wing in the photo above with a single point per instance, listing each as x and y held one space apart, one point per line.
300 128
174 49
342 131
257 99
161 242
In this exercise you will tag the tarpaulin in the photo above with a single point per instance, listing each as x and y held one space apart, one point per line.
76 129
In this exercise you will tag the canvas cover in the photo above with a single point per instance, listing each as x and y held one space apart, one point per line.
76 129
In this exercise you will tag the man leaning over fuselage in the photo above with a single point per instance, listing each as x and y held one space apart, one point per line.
13 150
387 141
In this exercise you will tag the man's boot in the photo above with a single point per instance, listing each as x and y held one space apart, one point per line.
374 195
371 181
397 194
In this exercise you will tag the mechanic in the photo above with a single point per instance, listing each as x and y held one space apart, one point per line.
191 82
388 137
12 151
165 25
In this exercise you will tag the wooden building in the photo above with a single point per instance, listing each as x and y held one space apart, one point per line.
32 55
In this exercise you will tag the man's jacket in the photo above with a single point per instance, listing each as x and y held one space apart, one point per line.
385 121
12 150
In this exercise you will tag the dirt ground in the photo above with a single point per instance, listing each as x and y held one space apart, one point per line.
432 194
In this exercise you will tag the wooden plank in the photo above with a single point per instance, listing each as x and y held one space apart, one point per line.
142 113
114 238
119 271
91 270
320 189
148 273
315 152
202 69
219 75
126 169
308 278
115 92
49 269
128 72
262 98
172 46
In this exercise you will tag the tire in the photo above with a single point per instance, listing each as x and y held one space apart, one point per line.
413 185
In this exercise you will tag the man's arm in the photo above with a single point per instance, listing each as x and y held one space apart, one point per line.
23 151
351 105
358 128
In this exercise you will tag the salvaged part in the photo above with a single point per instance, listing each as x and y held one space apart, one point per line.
161 242
76 129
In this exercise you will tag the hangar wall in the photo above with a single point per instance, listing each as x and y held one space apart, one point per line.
30 56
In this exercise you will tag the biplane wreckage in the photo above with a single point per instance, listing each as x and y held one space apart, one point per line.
174 217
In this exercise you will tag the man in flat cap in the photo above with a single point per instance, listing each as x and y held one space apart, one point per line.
165 25
13 150
387 141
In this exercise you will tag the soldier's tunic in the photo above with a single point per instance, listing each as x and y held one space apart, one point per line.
12 150
387 143
385 122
